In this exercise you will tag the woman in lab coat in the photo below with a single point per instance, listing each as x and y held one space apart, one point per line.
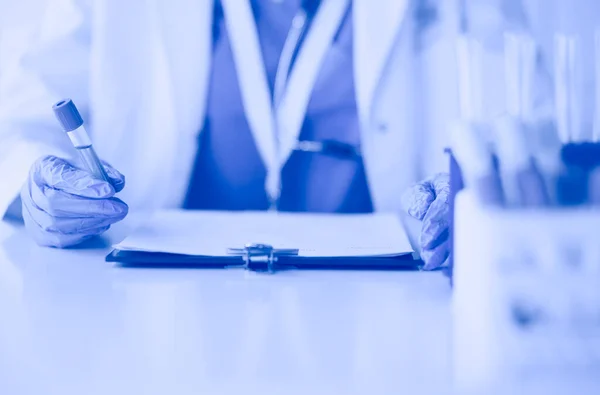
150 77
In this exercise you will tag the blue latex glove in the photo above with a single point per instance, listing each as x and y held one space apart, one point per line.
427 201
64 205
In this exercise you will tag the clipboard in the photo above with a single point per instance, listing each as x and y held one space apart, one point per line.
261 258
205 239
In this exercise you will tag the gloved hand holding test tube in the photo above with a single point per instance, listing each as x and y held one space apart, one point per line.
64 205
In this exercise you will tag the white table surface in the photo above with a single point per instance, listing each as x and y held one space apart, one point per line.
70 323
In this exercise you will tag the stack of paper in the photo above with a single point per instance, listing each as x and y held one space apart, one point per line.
211 233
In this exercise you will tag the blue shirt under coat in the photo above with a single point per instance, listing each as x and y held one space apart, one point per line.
229 173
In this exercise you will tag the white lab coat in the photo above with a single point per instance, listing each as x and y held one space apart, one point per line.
139 72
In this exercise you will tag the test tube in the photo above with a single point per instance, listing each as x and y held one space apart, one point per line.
521 179
471 141
596 133
520 68
546 147
470 148
594 180
470 78
568 108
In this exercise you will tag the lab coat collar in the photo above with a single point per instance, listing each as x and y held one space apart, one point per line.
282 124
376 25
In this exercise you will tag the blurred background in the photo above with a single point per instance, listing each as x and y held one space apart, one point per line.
20 21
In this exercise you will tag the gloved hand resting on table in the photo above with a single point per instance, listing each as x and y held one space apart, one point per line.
64 205
427 201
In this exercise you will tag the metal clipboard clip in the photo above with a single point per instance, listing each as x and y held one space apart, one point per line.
260 257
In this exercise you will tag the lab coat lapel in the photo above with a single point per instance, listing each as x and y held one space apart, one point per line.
376 24
184 43
187 36
275 134
134 99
